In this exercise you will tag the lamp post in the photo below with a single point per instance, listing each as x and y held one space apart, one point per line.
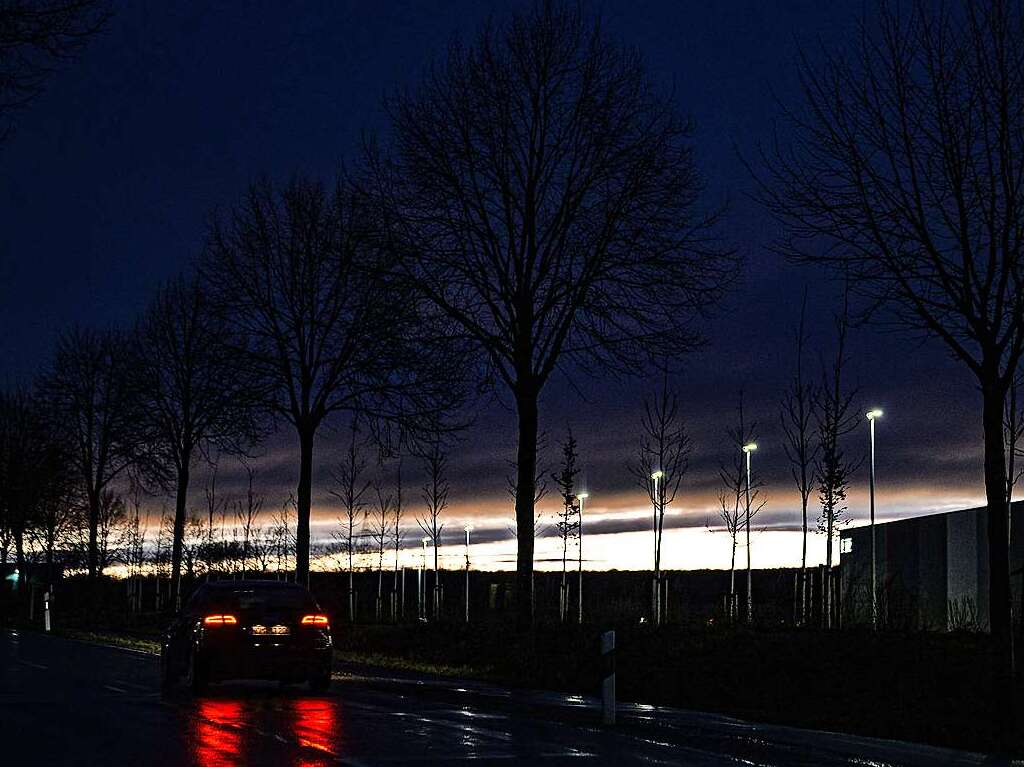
872 416
656 477
582 497
468 528
749 448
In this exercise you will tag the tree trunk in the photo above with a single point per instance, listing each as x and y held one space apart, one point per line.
351 583
526 478
94 524
803 563
998 556
437 583
732 581
303 503
180 499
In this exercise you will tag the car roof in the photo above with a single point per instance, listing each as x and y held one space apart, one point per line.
232 585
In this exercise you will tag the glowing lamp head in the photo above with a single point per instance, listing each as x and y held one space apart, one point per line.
582 496
750 447
658 474
871 415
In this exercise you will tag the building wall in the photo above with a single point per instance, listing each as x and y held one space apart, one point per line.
932 570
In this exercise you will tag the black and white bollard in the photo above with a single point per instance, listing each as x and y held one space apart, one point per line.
608 683
46 611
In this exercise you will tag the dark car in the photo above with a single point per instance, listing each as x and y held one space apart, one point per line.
248 629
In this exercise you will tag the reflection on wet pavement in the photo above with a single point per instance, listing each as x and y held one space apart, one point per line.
240 726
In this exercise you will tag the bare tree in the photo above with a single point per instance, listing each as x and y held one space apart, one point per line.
89 401
193 543
1013 424
326 329
36 37
399 534
282 538
350 491
903 174
731 520
568 521
797 414
663 456
435 493
545 198
836 417
247 512
379 530
216 506
110 538
192 394
262 546
738 508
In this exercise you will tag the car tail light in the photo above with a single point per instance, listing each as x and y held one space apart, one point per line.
315 620
219 620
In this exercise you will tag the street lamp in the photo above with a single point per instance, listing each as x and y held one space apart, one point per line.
749 448
582 497
468 529
872 416
656 477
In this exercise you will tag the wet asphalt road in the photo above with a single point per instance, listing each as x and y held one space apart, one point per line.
68 702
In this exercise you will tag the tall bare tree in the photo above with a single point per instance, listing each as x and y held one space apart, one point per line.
904 173
836 417
399 533
435 493
36 37
89 401
247 511
379 530
545 198
663 456
350 489
1013 424
192 394
568 521
304 282
748 501
797 414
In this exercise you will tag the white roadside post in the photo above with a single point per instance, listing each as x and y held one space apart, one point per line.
582 497
608 681
46 611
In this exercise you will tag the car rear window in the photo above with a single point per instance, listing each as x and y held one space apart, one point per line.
263 599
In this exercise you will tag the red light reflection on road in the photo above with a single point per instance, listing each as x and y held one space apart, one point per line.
299 731
315 726
218 735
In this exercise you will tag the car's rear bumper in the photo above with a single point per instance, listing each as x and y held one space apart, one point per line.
265 661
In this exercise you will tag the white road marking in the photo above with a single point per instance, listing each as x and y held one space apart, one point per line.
33 665
113 689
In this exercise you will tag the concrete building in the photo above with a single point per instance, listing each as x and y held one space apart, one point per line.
932 571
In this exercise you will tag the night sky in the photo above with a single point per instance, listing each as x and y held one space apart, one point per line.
112 173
